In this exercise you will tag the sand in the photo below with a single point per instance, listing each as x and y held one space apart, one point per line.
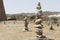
14 30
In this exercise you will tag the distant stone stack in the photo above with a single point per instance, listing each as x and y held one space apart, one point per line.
38 23
2 11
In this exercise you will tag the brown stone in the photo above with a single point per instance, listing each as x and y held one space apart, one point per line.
2 11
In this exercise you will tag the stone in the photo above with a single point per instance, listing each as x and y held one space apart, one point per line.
39 26
38 21
39 32
57 24
2 11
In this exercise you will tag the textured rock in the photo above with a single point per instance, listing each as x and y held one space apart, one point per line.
2 11
39 26
38 21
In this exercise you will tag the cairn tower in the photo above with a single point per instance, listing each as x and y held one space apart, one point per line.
2 12
38 23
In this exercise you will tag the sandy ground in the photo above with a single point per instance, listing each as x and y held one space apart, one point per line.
15 31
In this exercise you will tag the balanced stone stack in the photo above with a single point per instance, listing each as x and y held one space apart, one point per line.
26 23
38 23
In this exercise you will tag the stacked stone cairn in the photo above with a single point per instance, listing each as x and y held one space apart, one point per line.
38 23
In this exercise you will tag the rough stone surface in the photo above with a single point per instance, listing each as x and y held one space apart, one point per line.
2 11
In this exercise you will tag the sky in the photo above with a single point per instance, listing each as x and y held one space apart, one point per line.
29 6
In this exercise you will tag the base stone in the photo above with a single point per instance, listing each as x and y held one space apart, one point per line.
42 39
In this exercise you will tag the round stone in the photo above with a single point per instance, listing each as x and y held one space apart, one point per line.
38 21
39 32
39 26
